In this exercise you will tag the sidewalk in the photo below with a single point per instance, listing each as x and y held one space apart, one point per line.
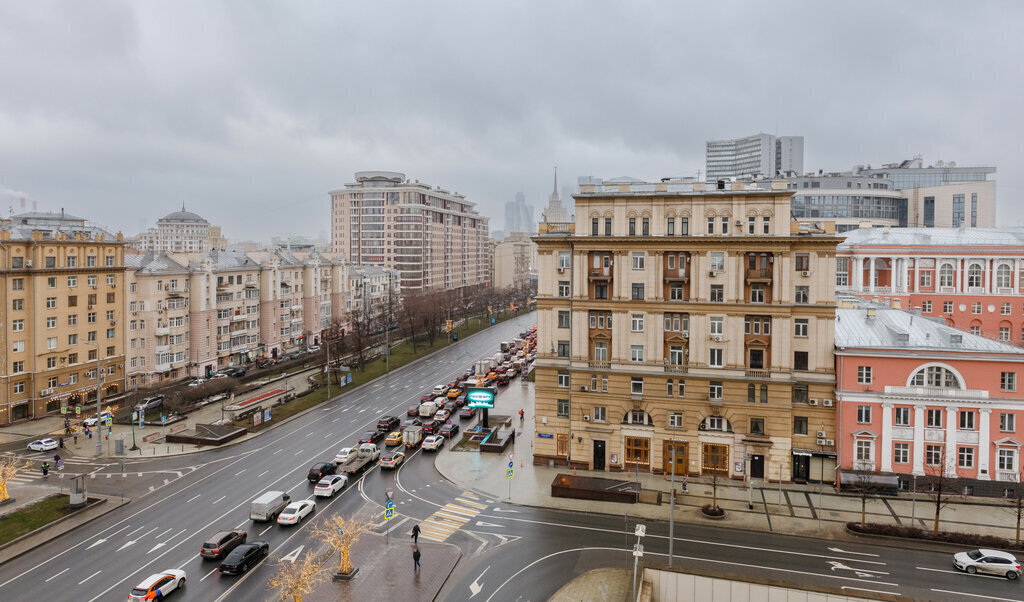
808 510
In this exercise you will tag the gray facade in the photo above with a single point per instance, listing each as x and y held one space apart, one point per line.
760 154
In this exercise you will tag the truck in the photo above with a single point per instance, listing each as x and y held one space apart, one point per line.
365 456
505 346
412 436
518 343
483 367
428 409
268 506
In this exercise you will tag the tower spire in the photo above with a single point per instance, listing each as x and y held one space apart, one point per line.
183 205
554 192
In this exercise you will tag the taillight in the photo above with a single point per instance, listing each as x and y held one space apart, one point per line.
217 551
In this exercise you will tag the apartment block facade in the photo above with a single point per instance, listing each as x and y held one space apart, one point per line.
434 238
685 316
62 313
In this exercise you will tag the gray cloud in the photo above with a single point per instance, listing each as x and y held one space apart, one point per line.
251 111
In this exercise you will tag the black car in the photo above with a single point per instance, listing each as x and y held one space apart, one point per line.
236 372
413 410
502 380
411 422
221 543
265 363
449 430
373 437
431 427
244 557
386 424
467 413
321 470
451 406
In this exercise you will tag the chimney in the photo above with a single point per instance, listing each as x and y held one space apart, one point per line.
721 185
870 313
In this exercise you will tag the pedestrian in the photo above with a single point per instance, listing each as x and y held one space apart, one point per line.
75 435
46 470
415 555
88 432
56 459
416 533
60 442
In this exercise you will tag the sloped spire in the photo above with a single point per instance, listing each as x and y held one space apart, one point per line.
554 191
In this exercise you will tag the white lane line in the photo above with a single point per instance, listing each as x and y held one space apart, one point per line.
309 434
89 577
262 473
193 498
239 472
335 420
129 534
265 530
214 570
221 499
328 435
277 452
162 534
946 591
298 452
58 575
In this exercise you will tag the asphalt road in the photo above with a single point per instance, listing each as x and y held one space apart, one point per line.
509 552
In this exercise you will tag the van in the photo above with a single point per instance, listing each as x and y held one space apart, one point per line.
268 506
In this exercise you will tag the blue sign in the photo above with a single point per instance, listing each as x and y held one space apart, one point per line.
389 513
348 379
545 435
390 504
266 415
163 419
480 398
510 464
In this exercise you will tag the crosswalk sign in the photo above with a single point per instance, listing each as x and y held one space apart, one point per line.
63 409
389 513
508 473
110 420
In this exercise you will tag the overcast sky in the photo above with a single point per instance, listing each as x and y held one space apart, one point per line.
249 112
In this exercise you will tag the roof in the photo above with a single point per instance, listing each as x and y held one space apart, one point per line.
896 328
182 216
153 263
955 237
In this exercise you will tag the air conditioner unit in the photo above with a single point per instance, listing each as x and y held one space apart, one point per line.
686 334
718 338
831 442
91 306
739 222
44 392
812 402
586 418
821 441
583 388
827 403
561 270
821 434
805 273
713 273
93 285
113 322
159 311
113 285
135 313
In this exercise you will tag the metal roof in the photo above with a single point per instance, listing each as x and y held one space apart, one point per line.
895 328
995 237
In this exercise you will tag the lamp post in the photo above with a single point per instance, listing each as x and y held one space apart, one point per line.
99 399
134 446
638 553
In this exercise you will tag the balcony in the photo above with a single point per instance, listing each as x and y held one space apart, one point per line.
1007 475
599 364
162 349
296 307
759 275
162 368
296 319
162 331
239 317
602 274
715 402
675 368
757 373
677 276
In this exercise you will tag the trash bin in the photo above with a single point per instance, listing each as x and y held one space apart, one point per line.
119 446
455 336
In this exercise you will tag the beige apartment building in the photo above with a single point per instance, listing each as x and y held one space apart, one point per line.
158 319
514 261
433 237
688 316
62 313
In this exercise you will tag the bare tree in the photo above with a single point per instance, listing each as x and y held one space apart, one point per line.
9 467
866 488
1013 504
408 315
293 579
941 489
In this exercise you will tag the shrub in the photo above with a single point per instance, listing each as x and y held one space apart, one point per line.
966 539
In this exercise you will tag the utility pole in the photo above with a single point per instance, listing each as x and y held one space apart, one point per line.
99 402
329 369
672 507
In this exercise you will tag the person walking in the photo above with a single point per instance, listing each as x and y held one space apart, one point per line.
416 533
46 469
60 442
416 559
74 433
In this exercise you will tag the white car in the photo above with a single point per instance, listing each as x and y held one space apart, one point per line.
197 382
433 443
313 348
992 562
219 375
344 454
442 415
158 586
91 420
328 486
43 445
295 512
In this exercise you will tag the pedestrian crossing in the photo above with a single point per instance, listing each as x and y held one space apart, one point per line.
34 475
451 517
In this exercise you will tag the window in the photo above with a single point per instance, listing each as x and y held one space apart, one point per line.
91 318
91 335
863 375
800 360
638 291
670 226
926 307
764 393
711 225
675 291
110 297
757 426
975 330
1004 333
1007 459
947 307
751 225
751 393
669 387
757 293
109 261
18 346
935 376
976 307
599 414
799 425
645 226
637 323
1008 381
803 262
72 358
594 226
901 416
563 348
17 367
636 353
563 408
766 225
717 260
604 384
91 298
110 333
638 261
926 279
717 293
965 457
51 282
715 358
958 210
50 262
974 209
799 393
17 325
1007 423
725 225
1004 277
681 388
72 281
966 420
933 455
863 450
636 386
675 420
19 387
601 352
17 304
684 226
563 288
901 453
1004 309
715 389
600 290
934 419
51 363
51 322
563 260
717 325
638 450
51 342
51 303
800 327
563 379
802 294
947 275
632 226
73 320
17 284
607 226
72 300
563 319
863 414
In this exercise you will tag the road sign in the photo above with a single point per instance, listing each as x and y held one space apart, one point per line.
163 419
390 504
348 379
78 411
508 473
63 409
389 514
389 494
510 463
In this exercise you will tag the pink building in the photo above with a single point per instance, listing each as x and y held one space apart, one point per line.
970 277
917 399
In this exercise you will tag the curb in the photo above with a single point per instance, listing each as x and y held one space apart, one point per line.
914 543
43 535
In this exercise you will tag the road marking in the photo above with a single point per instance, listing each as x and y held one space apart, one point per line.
210 573
475 587
161 535
473 504
946 591
239 472
267 529
328 435
875 591
262 473
309 434
293 555
481 523
89 577
277 452
221 499
954 572
58 575
299 452
517 512
335 420
839 551
193 498
130 533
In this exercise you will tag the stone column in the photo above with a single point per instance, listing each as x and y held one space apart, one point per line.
985 415
991 276
905 274
856 273
949 461
917 275
886 436
871 274
918 451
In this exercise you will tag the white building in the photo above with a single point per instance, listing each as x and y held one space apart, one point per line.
761 154
179 232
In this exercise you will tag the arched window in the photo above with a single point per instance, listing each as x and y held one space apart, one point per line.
946 275
974 275
935 376
715 423
637 417
1004 277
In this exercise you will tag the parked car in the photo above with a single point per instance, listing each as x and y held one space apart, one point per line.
244 557
449 430
313 348
150 403
991 562
344 454
158 586
218 375
43 445
371 437
321 470
91 420
393 459
387 424
433 443
295 512
197 382
394 438
296 355
266 362
328 486
234 371
221 543
466 413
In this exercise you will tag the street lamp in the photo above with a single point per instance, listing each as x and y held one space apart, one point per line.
99 399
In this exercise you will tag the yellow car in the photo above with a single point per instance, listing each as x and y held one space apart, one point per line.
394 438
454 393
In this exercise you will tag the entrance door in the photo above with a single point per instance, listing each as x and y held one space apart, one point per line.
598 455
756 466
801 468
681 457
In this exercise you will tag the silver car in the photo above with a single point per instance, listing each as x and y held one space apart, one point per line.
991 562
